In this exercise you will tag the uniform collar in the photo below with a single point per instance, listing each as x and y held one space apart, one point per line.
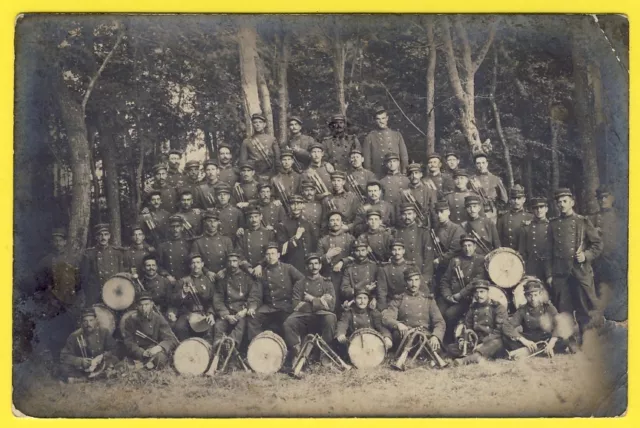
273 266
357 310
138 246
409 293
401 262
514 211
537 220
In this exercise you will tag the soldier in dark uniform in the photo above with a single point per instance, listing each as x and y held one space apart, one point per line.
192 217
377 237
346 203
338 146
535 244
156 285
314 301
418 242
394 182
435 179
271 209
245 191
175 178
167 192
489 320
287 176
452 160
205 192
456 198
297 235
414 309
425 196
192 181
99 264
448 234
212 245
227 172
236 297
312 209
335 248
194 293
483 227
253 242
173 254
277 283
155 218
136 252
231 218
156 342
575 244
455 296
85 344
359 316
261 148
362 272
298 142
390 275
495 191
374 202
382 141
361 176
510 223
318 167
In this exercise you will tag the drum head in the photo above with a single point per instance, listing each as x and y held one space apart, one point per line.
266 353
105 317
192 357
498 295
118 293
124 319
505 267
366 349
198 322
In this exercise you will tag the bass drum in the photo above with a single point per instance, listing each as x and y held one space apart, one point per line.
518 293
118 292
124 319
366 348
504 266
193 357
267 352
106 317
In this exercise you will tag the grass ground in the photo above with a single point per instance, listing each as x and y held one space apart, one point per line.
591 382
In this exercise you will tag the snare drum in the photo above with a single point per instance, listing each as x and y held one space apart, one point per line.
124 319
105 316
497 294
518 293
366 348
118 292
504 266
193 356
198 322
267 352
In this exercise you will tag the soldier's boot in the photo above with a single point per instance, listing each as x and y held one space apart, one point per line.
474 358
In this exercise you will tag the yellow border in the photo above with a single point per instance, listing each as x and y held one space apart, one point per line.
8 12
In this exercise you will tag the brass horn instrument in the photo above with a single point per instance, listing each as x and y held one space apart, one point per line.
263 152
416 338
356 189
315 341
231 351
524 352
408 196
467 340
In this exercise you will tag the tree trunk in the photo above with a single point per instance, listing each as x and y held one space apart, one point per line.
80 158
496 117
111 187
431 88
554 125
283 88
138 180
601 125
339 61
248 72
583 98
528 174
265 96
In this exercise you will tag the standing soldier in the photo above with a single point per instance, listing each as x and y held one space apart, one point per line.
136 252
175 178
425 195
155 218
374 202
394 182
382 141
417 241
435 179
481 228
246 190
212 245
496 194
253 242
277 283
390 276
346 203
147 336
575 244
191 217
298 142
173 254
205 196
231 218
271 209
313 307
227 172
297 235
261 148
312 209
534 244
99 263
377 237
161 186
360 175
318 168
448 235
237 296
339 144
510 224
158 287
335 247
287 177
456 198
362 272
453 162
192 180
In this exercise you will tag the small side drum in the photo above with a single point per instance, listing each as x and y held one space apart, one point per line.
198 322
118 292
366 348
124 319
193 356
106 317
267 352
498 295
518 294
504 266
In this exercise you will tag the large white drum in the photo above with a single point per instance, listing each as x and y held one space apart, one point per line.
366 348
118 292
267 353
193 356
505 267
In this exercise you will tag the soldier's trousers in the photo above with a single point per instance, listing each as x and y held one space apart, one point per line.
511 345
235 331
160 360
575 294
262 321
452 313
183 331
490 345
298 325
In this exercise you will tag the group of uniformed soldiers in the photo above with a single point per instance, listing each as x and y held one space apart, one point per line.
329 237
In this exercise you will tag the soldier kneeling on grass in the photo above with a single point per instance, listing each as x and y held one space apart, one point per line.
359 316
489 320
147 335
88 351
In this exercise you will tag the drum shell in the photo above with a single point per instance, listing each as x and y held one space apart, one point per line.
356 341
187 363
106 317
119 292
198 323
123 319
499 295
514 277
254 353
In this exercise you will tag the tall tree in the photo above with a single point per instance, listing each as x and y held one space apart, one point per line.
431 86
247 39
498 122
339 63
283 87
265 95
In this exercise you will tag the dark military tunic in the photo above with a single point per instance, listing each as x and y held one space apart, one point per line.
290 180
133 257
302 142
493 187
297 249
194 187
415 310
245 191
318 287
186 303
391 283
338 149
231 219
235 292
442 183
253 244
611 266
487 232
426 197
175 178
472 268
155 327
99 341
97 266
529 318
193 218
490 322
357 275
249 152
386 209
228 174
277 287
160 289
159 219
535 247
340 239
346 202
272 213
379 241
321 171
361 176
456 205
355 319
214 250
418 247
380 142
168 196
313 212
393 185
205 194
173 258
448 233
57 273
509 226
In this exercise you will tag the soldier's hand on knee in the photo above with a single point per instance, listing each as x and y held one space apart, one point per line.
342 339
86 363
388 343
531 346
210 320
251 312
402 329
434 342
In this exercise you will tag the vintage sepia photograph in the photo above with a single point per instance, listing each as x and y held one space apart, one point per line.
323 215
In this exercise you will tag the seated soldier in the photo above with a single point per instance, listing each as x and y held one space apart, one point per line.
236 296
414 309
488 319
84 349
314 300
155 284
536 319
362 272
360 316
147 335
